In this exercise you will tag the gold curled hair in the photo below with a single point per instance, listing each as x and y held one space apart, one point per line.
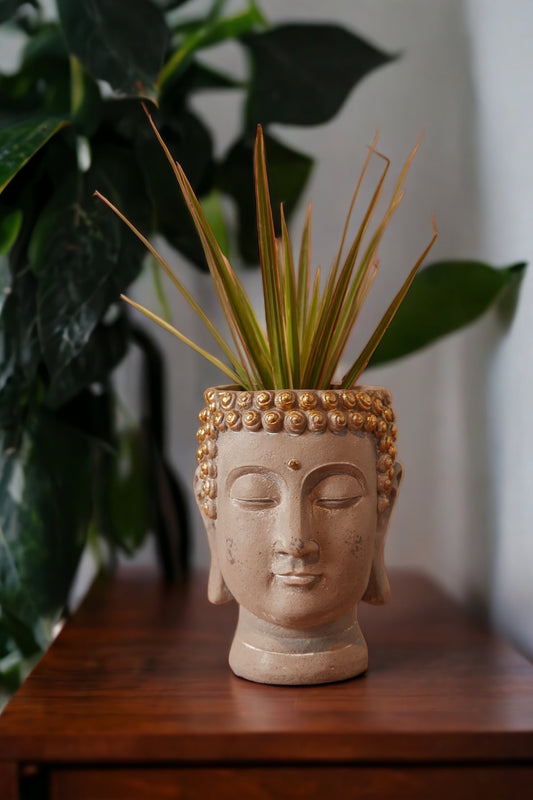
363 410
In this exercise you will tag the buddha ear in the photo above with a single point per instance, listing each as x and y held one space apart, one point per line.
377 591
217 591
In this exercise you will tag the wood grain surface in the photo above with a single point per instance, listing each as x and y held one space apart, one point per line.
140 675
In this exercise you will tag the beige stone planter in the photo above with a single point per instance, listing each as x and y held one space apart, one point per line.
296 489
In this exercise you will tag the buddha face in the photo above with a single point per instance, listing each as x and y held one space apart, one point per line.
297 538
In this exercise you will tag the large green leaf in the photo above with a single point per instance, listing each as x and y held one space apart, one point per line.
81 259
20 142
19 343
104 350
74 253
303 73
45 507
288 171
122 42
444 297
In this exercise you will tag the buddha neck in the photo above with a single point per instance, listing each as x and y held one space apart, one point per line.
267 653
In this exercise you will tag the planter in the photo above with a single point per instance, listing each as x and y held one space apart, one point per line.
296 489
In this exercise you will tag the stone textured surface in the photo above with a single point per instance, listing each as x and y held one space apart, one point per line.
296 514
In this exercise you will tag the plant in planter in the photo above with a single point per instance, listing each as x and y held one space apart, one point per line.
297 475
297 469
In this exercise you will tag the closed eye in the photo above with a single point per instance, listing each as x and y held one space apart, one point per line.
337 490
337 502
255 502
255 491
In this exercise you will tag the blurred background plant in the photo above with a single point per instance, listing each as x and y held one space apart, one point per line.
74 470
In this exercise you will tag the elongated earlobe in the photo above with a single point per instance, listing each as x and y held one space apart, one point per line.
217 591
378 588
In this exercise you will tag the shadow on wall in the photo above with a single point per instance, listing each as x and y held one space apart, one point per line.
482 485
497 363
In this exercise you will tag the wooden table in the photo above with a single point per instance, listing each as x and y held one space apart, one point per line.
135 700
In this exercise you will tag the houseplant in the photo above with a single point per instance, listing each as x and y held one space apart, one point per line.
297 475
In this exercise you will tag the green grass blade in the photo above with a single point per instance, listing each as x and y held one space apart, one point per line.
358 291
406 166
227 285
316 354
291 306
341 342
336 300
270 271
175 280
254 378
237 307
353 374
304 273
355 195
310 330
168 327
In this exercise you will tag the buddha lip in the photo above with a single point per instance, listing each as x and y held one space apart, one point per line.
298 578
296 574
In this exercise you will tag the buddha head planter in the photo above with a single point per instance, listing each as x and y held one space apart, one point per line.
297 484
296 489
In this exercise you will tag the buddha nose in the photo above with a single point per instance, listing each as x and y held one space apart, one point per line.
295 535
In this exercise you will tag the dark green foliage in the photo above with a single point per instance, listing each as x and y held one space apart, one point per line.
20 142
122 42
444 297
74 254
303 73
101 353
45 469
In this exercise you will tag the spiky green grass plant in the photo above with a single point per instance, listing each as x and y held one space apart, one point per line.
307 328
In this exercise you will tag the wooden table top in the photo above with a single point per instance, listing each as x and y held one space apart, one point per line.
140 674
